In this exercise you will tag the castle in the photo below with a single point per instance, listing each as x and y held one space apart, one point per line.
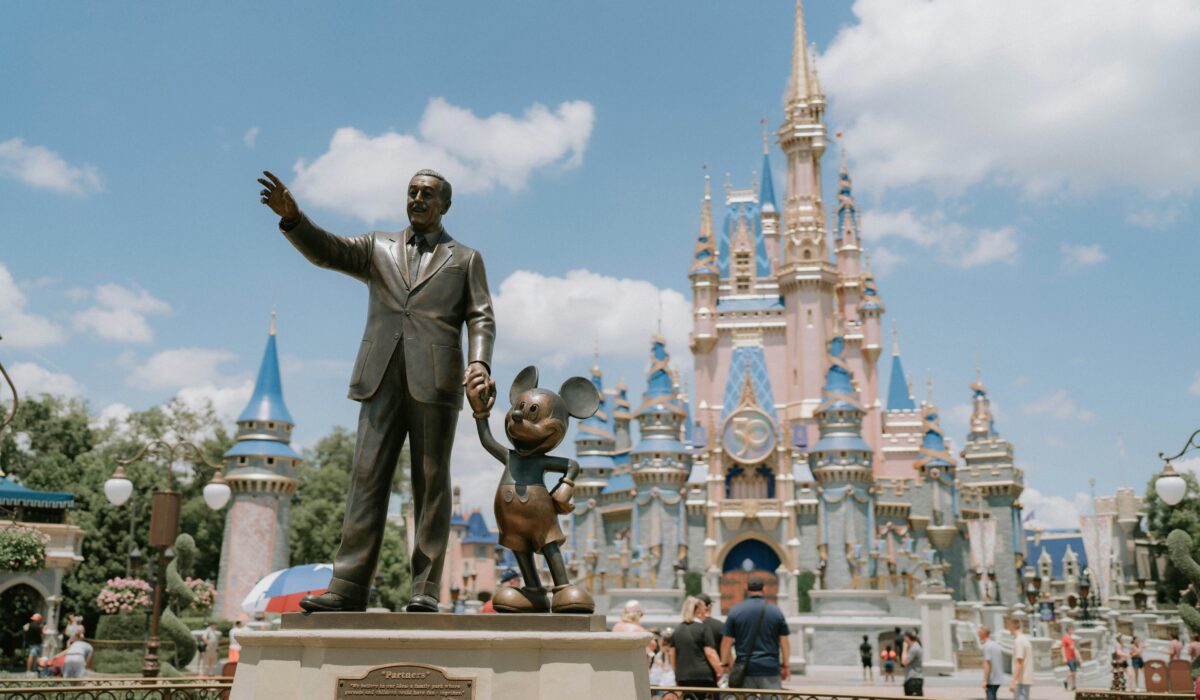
788 457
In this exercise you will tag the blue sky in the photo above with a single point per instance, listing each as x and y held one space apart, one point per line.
1027 176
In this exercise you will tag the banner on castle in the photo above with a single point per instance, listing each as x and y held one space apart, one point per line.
1097 542
982 535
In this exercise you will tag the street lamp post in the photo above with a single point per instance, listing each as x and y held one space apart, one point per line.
164 519
1169 485
12 412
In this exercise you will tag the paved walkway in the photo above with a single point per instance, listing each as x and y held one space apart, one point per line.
963 685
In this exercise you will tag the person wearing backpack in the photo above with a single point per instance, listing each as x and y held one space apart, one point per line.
759 632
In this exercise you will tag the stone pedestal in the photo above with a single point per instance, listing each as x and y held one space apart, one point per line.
502 657
1141 625
937 610
993 617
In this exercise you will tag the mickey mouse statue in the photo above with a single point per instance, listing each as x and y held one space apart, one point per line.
526 513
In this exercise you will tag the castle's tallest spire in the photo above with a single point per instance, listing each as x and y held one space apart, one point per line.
798 88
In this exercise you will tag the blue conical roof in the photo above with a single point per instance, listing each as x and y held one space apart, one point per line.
267 402
766 196
898 397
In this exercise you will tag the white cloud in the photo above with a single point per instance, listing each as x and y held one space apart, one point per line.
41 168
1053 512
1042 96
250 137
1190 464
884 259
952 243
1059 405
559 317
227 400
33 380
1158 214
119 313
1077 256
20 328
1194 389
180 368
366 176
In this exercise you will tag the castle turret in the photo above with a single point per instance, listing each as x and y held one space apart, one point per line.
771 229
901 423
594 446
806 277
992 484
660 458
260 470
705 277
841 464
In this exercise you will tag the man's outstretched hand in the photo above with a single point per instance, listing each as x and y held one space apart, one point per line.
276 196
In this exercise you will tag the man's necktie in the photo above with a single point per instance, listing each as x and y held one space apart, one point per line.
414 261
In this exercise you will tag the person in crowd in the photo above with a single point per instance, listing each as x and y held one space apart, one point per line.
711 622
1070 657
631 618
759 632
511 579
1174 647
662 663
78 657
1120 665
72 627
33 632
912 658
866 655
210 639
1193 649
887 658
1136 663
993 663
235 647
697 663
1022 661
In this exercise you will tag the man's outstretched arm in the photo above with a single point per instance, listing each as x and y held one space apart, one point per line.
324 249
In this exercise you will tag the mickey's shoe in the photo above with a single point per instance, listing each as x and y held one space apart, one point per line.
570 598
521 600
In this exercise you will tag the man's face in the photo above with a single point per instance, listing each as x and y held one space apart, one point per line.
425 205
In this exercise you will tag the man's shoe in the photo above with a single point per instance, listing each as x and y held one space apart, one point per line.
330 602
421 603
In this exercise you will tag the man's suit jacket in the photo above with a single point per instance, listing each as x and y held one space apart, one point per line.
427 313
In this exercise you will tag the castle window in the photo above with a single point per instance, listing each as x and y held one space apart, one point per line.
270 460
270 426
241 460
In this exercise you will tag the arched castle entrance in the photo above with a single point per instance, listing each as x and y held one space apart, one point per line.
746 559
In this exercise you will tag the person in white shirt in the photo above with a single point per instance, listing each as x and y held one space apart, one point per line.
1022 661
78 657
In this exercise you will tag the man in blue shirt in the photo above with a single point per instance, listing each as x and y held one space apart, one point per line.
768 651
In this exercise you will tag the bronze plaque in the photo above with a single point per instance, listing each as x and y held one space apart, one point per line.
406 682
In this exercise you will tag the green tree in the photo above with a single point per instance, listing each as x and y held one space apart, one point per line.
56 447
320 505
1162 520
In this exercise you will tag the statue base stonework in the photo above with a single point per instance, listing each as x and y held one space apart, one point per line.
465 657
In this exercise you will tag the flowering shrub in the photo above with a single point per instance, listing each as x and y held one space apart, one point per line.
205 594
124 595
22 549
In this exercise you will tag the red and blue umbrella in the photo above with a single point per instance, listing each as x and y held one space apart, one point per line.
281 591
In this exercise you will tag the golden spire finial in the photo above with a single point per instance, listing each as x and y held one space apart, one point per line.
798 89
595 354
815 80
929 386
978 370
841 150
271 331
728 184
660 313
896 344
763 123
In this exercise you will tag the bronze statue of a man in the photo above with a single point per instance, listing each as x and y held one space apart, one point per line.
423 288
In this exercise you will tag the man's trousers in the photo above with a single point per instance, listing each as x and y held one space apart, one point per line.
384 421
